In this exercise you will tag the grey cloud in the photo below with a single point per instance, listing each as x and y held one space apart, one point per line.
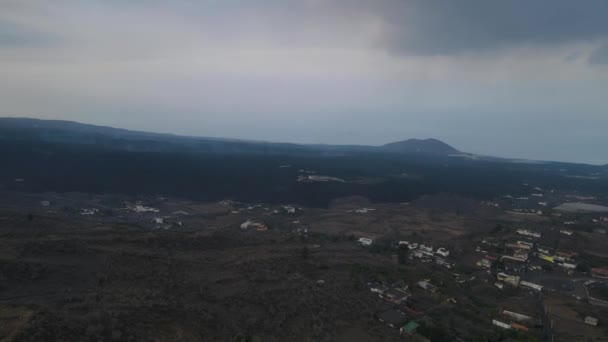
410 27
439 27
599 56
14 35
423 27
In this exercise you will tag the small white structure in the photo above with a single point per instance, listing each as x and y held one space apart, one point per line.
591 321
426 248
501 324
525 245
526 232
289 209
158 220
566 232
530 285
246 224
365 241
442 251
426 285
443 262
509 279
516 316
378 288
363 210
141 209
568 265
484 263
89 211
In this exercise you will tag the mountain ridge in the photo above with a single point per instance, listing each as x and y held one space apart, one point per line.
76 132
429 145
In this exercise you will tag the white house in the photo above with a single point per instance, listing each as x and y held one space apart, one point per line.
365 241
526 232
531 285
426 248
501 324
442 251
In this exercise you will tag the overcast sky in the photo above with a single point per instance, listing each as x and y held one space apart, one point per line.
516 78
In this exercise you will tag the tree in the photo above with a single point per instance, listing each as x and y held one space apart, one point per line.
497 229
583 267
402 254
304 253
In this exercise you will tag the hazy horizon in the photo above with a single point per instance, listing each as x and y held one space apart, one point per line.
515 79
304 142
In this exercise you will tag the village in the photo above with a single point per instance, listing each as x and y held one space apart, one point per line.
538 266
423 273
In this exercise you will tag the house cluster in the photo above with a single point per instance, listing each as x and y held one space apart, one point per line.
166 223
515 281
401 315
521 211
307 171
361 210
514 320
428 254
289 209
487 259
395 294
426 285
89 211
318 178
528 233
286 209
228 202
514 260
520 251
566 260
365 241
503 278
138 207
249 224
490 204
600 272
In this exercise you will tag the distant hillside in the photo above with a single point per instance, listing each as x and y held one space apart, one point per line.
43 156
429 146
57 131
68 132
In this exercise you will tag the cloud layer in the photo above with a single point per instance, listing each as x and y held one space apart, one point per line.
517 78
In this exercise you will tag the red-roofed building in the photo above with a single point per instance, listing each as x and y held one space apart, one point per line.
600 272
